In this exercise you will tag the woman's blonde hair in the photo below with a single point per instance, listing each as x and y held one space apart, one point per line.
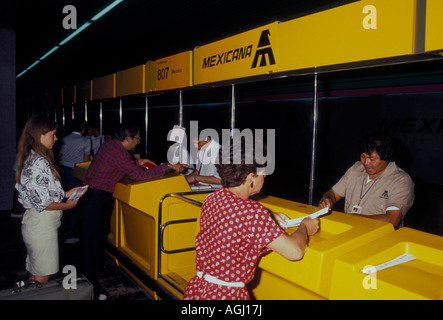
34 128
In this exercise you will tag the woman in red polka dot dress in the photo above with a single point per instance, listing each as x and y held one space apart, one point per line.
235 231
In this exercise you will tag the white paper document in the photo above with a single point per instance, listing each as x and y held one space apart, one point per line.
202 187
296 222
399 260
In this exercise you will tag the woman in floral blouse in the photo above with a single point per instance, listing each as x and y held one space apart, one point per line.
41 194
235 231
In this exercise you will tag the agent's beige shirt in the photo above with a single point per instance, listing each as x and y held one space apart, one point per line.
393 188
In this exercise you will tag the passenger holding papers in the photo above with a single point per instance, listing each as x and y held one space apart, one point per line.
42 195
235 230
112 163
374 187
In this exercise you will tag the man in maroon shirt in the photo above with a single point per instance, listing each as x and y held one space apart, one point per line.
111 163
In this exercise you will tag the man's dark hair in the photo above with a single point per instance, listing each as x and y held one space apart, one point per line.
77 125
124 131
380 142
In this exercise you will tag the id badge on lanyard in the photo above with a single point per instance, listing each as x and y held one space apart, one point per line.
357 209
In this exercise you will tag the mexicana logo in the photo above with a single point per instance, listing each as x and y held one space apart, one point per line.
243 53
263 49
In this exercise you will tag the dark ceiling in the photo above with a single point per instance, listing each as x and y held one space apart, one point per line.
132 33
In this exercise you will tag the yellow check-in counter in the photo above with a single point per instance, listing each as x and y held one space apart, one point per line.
154 227
310 278
421 278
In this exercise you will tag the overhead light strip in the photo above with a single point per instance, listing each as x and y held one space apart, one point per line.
106 10
72 35
75 33
49 52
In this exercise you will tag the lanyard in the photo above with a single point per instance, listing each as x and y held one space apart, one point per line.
361 191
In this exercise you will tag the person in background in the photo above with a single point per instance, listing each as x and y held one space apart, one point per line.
374 187
95 139
112 162
235 231
75 149
41 194
206 171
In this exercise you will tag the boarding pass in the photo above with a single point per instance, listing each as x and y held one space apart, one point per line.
296 222
399 260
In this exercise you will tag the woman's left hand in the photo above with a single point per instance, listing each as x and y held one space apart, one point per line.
69 193
71 203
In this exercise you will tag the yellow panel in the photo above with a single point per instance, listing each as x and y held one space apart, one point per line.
179 211
179 236
138 238
130 81
247 54
84 91
339 233
272 287
418 279
172 72
80 170
104 87
150 79
362 30
434 25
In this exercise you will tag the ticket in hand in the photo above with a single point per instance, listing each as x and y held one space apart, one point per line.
296 222
78 193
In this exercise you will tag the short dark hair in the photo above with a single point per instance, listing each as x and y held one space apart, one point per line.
380 142
234 168
77 125
122 131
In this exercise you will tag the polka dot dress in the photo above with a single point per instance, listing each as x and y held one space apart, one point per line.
233 234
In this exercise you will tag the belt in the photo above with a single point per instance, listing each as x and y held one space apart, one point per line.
214 280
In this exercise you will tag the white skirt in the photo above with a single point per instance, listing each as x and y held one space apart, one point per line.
39 230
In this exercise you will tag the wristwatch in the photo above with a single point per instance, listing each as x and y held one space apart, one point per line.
195 179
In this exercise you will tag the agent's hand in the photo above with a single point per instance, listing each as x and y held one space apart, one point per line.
329 199
312 225
325 203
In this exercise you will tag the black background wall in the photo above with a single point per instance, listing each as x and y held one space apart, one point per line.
7 116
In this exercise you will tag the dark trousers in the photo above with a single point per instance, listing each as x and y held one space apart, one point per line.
71 215
95 210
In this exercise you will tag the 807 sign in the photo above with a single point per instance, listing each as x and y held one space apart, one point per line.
162 74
